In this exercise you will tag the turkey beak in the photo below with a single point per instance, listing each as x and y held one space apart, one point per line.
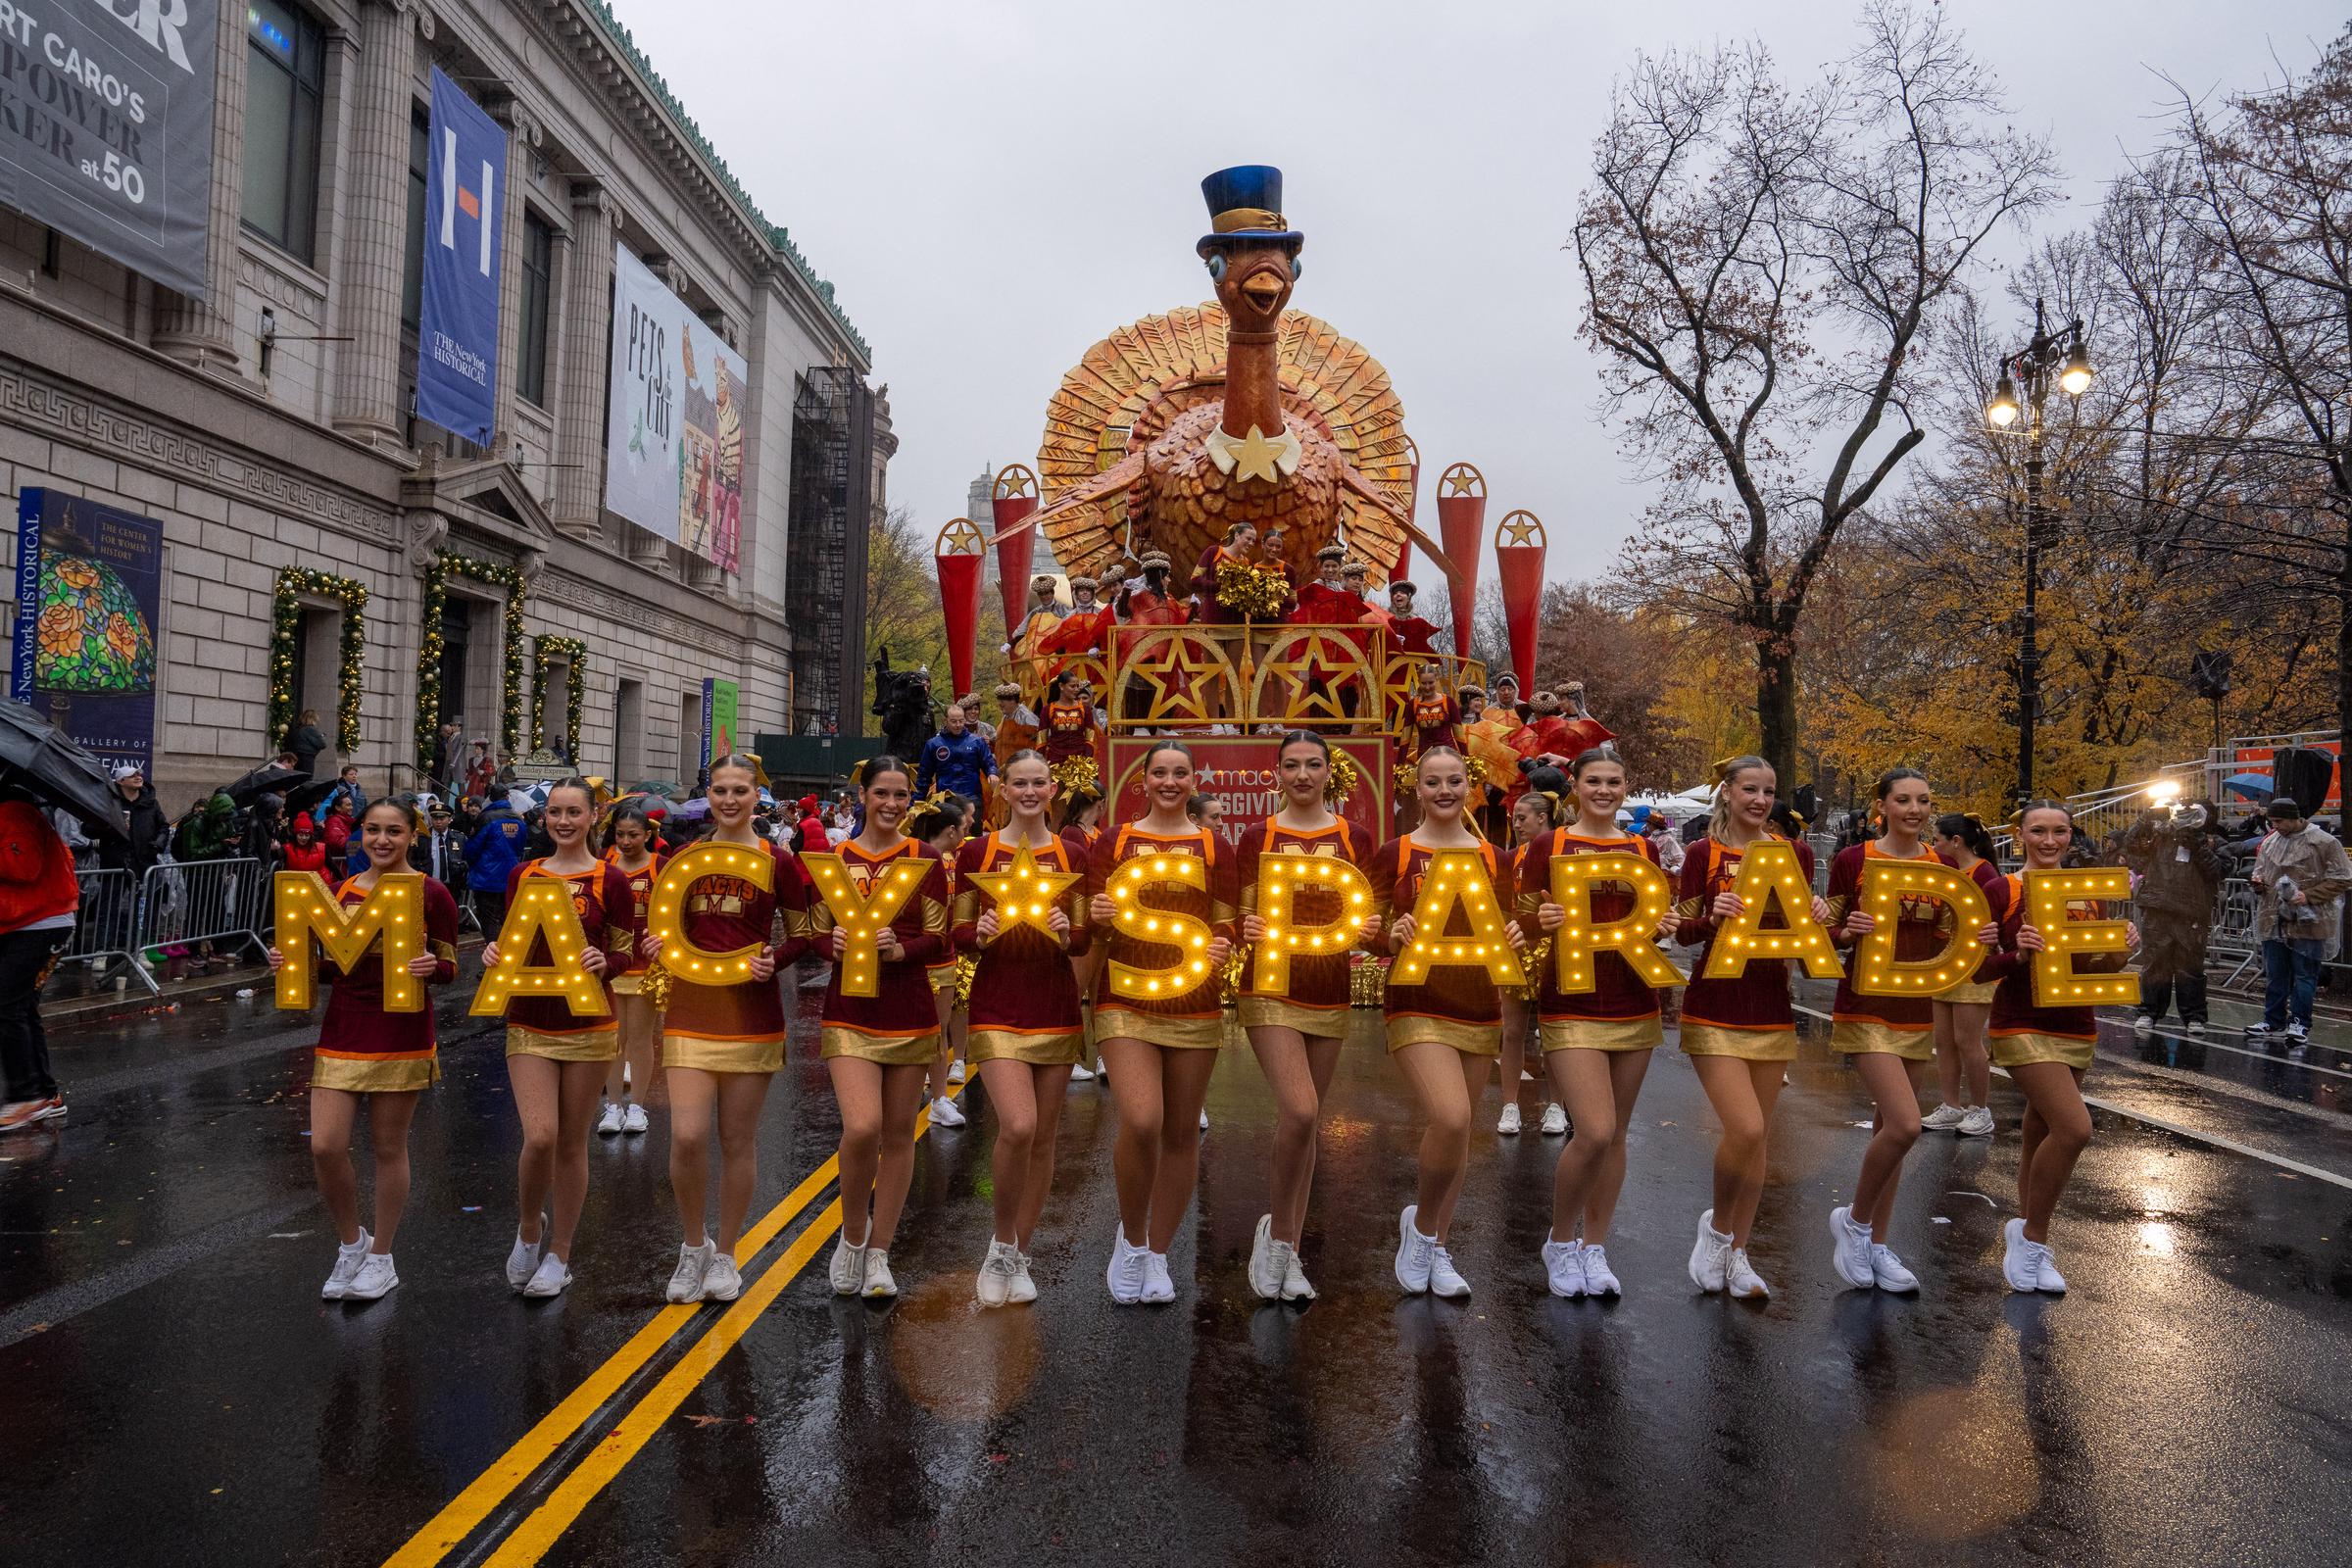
1265 285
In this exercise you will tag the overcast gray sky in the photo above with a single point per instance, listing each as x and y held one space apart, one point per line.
992 187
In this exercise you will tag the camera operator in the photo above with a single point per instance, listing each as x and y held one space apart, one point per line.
2299 872
2180 868
903 702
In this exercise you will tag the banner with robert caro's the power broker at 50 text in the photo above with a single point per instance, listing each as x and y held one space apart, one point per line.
106 127
673 450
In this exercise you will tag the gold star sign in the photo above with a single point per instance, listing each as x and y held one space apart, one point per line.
1521 530
1016 480
1026 893
1462 480
962 537
1253 456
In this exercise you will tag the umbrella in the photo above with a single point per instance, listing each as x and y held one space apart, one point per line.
523 802
42 763
2253 785
306 796
268 779
693 810
657 786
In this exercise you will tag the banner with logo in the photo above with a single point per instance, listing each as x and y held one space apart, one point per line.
465 233
106 128
673 450
89 592
719 699
1238 773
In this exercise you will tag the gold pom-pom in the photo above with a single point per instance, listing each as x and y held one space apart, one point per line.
1407 776
1538 954
1252 592
654 986
1344 777
1076 772
1230 978
966 966
1368 981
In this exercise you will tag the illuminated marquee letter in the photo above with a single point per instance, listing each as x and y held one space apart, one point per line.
1280 877
542 908
394 910
666 909
1025 892
1886 884
1136 918
1457 877
866 918
2048 894
1768 871
1580 938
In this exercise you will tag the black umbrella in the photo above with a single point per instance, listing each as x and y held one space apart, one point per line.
36 758
268 779
303 797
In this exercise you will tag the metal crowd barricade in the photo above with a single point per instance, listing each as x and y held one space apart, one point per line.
217 902
108 925
2232 934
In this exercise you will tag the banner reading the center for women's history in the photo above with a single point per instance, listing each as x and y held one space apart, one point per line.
89 587
673 450
465 227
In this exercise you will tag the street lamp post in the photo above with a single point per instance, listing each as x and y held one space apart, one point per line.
2047 356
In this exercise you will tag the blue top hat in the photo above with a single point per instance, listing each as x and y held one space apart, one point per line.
1244 206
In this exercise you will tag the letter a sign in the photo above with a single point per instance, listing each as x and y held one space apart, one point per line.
464 225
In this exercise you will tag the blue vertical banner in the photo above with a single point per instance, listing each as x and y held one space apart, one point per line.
90 591
465 234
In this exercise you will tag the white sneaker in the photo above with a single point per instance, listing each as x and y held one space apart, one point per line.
722 1280
2142 1026
613 1119
1564 1268
1599 1280
347 1263
1943 1120
994 1287
1851 1249
2297 1034
1413 1251
633 1118
2196 1030
847 1272
1888 1271
1204 1118
1125 1276
694 1266
1265 1266
1742 1279
1555 1121
521 1263
549 1279
1159 1287
1023 1290
2028 1266
1082 1074
2047 1275
880 1284
956 1070
1508 1123
945 1114
1294 1287
1977 1123
1711 1255
375 1278
1444 1278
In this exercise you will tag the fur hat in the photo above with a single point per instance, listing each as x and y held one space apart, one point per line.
1332 552
1156 560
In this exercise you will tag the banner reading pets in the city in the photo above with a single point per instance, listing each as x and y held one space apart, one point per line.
89 585
673 450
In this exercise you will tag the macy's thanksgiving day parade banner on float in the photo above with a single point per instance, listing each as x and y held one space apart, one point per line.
392 920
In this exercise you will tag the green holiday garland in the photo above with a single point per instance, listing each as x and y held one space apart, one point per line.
429 646
285 648
550 649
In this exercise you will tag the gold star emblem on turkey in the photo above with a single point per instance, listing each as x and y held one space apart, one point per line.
1254 457
1026 893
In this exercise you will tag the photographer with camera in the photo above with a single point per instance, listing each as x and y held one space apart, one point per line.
903 702
2299 873
2181 866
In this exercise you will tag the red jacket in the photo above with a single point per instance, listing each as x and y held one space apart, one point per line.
36 869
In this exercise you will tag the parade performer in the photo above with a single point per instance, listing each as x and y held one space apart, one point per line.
1026 1031
556 1060
1436 721
955 758
633 1082
722 1043
1016 724
1444 1032
1152 605
1597 1042
1071 722
1085 631
2045 1051
1028 643
1963 1069
877 1047
387 1056
1326 602
940 825
1161 1050
1296 1032
1740 1033
1409 633
1887 1038
1240 549
1534 816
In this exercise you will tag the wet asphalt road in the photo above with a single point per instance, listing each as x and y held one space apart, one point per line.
172 1389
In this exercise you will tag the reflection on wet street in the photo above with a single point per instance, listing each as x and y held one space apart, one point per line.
175 1392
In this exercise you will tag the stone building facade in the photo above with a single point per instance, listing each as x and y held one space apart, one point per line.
268 425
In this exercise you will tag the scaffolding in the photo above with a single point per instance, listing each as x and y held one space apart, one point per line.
830 523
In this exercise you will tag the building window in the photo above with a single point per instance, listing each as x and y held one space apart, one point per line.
285 77
412 281
538 288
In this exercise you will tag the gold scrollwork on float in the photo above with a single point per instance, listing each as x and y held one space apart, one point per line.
1316 677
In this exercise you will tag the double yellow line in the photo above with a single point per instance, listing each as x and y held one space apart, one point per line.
529 1540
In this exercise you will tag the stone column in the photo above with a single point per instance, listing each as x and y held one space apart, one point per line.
586 325
523 138
368 390
201 332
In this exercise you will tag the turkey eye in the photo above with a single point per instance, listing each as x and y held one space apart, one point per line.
1216 267
1297 267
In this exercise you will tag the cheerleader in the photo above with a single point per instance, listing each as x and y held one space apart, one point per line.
1241 544
2045 1051
1887 1039
1740 1033
1444 1031
555 1061
1532 816
1164 1048
1297 1033
1962 1069
633 1072
1025 1031
1435 721
939 826
386 1057
1597 1043
1068 727
878 1048
722 1043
